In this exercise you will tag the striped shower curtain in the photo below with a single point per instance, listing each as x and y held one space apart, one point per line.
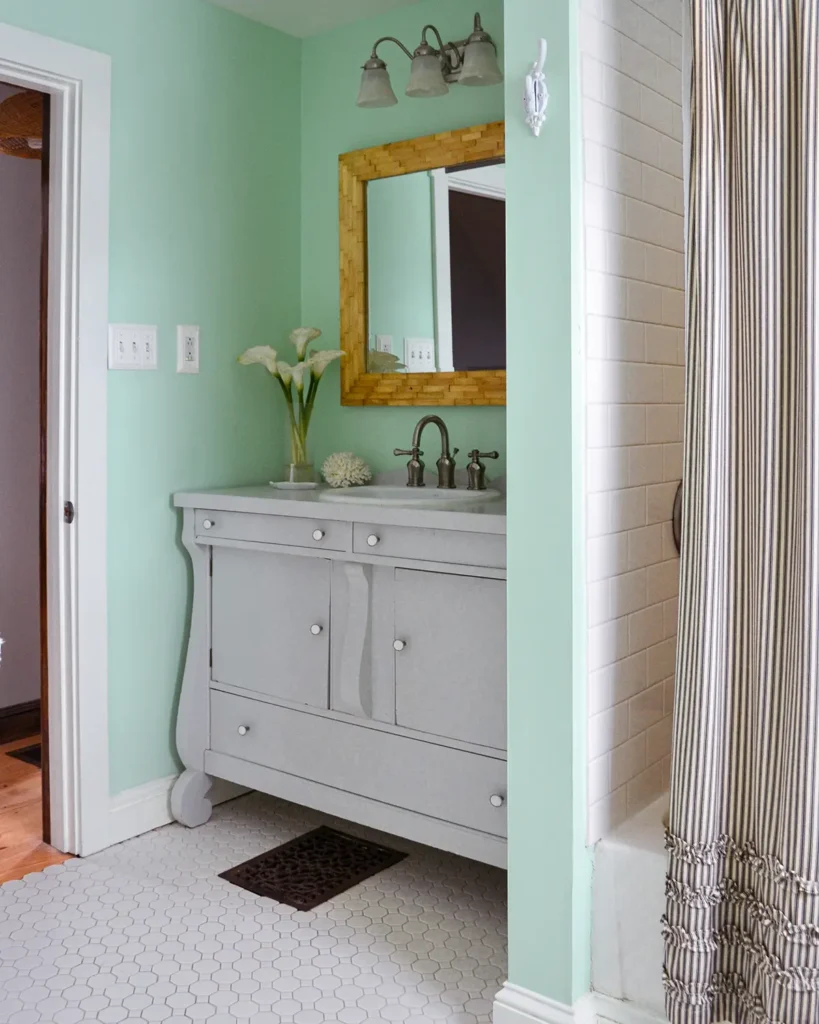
742 922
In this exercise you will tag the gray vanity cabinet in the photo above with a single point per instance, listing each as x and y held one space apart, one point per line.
450 673
271 624
350 659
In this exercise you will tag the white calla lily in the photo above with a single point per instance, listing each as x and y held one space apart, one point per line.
285 372
264 355
301 338
319 361
298 371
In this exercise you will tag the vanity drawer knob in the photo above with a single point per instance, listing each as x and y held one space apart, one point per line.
497 800
399 645
243 730
318 534
315 629
208 524
372 540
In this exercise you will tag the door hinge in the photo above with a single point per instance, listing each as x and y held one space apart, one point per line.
68 512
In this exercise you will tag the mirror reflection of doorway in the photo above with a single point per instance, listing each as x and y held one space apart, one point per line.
477 256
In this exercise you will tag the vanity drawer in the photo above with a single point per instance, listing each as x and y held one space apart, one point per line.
453 546
452 785
292 531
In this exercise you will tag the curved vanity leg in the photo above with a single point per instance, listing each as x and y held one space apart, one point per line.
189 798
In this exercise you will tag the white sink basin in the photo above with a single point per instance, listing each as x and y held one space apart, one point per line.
416 497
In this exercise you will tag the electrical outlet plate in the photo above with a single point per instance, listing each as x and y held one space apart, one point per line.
187 349
383 343
132 347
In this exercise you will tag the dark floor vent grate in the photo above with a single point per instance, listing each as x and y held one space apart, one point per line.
313 868
31 755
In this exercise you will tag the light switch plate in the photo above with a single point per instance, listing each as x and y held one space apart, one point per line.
132 347
419 355
187 349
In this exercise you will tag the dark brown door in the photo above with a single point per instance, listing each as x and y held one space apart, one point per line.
44 467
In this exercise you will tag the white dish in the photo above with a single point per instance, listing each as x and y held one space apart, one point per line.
291 485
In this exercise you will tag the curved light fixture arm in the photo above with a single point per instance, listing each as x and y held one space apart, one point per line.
388 39
448 51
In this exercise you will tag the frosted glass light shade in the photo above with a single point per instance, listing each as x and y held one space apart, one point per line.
480 65
376 88
426 77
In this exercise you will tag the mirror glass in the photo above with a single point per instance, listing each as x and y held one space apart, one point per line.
436 255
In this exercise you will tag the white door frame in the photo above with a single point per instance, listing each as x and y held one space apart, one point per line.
79 83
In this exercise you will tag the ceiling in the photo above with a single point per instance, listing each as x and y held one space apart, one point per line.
310 17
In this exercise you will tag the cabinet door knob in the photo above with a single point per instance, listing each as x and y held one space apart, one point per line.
372 540
318 534
399 645
208 524
243 730
497 800
315 629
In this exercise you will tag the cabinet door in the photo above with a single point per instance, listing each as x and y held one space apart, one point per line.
450 675
271 624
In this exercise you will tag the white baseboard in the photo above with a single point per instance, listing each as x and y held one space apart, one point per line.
596 1008
147 807
516 1005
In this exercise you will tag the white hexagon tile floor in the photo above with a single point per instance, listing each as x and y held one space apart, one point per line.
148 931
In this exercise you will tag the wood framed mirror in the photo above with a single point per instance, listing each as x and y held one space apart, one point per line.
422 263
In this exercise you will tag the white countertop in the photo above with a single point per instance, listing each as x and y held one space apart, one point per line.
489 517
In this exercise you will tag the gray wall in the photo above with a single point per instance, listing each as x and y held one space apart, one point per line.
20 212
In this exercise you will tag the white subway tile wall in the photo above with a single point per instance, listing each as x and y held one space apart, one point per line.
635 307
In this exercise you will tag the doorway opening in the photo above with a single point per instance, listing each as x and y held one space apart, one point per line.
25 820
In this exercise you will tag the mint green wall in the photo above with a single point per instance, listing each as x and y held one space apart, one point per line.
549 869
400 254
331 70
204 230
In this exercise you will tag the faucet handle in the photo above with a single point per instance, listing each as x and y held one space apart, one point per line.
415 467
476 471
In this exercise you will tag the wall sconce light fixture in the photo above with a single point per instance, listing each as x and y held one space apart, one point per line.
470 61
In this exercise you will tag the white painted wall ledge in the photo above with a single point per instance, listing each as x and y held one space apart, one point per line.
516 1005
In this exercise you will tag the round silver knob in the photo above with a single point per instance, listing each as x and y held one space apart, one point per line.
372 540
243 730
318 534
208 524
315 629
399 645
497 800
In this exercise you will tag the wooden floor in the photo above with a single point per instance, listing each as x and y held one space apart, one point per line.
22 849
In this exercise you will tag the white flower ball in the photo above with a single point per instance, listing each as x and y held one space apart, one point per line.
343 469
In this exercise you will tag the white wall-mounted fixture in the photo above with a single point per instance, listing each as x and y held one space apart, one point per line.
132 347
187 349
536 95
470 61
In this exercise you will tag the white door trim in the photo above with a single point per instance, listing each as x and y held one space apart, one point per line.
79 83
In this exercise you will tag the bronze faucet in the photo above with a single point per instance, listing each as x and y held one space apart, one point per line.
446 463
